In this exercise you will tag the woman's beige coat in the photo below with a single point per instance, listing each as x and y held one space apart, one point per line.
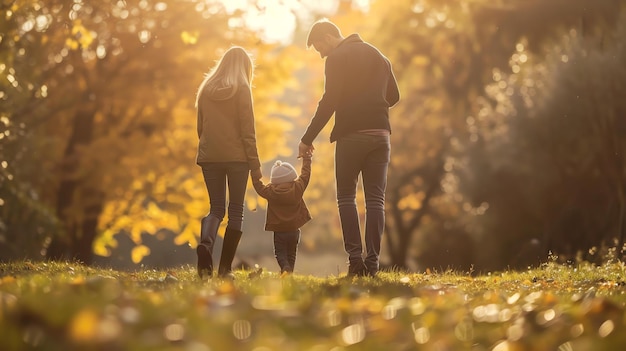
226 127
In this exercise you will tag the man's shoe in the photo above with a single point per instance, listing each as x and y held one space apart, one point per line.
357 270
229 275
372 274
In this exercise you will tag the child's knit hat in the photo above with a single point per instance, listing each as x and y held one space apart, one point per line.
282 172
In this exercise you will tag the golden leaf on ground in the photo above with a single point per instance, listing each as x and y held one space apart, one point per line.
79 280
84 326
7 279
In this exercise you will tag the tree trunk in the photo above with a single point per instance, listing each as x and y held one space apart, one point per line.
82 249
69 199
404 229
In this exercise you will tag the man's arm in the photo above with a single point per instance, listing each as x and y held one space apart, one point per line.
333 85
199 126
393 93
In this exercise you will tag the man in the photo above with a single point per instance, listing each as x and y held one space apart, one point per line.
359 89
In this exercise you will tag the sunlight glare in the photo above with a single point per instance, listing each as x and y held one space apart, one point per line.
275 20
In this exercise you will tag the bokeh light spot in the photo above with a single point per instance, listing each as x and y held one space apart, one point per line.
606 328
174 332
242 329
353 334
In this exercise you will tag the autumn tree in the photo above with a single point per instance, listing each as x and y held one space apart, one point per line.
25 219
114 83
444 54
558 150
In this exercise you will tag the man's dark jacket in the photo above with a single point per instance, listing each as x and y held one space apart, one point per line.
360 87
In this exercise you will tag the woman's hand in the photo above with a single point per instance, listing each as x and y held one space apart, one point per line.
256 174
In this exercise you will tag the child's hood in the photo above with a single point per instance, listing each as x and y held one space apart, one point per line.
285 193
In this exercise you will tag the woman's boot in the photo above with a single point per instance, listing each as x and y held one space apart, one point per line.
231 241
208 232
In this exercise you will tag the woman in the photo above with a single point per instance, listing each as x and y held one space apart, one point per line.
226 152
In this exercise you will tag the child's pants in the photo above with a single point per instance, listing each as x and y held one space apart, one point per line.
285 249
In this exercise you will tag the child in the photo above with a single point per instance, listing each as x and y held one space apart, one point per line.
286 210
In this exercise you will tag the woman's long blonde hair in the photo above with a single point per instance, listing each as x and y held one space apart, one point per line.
232 70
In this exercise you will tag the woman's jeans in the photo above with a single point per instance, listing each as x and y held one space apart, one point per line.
367 155
216 176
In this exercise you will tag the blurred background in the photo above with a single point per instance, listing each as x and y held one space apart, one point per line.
508 143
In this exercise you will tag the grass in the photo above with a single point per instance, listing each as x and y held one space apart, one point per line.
68 306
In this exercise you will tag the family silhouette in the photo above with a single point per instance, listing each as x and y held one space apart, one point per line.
359 89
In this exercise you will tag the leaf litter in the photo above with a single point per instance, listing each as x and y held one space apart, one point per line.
63 306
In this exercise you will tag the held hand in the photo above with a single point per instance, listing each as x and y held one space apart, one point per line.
256 174
304 149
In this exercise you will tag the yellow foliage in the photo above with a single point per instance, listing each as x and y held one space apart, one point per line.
135 233
85 38
189 234
101 250
160 187
410 203
124 221
137 184
252 203
412 196
153 211
196 209
420 60
191 184
189 37
139 252
71 43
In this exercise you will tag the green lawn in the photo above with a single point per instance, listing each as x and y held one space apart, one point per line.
68 306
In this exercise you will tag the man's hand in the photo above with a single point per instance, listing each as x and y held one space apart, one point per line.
304 149
256 174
